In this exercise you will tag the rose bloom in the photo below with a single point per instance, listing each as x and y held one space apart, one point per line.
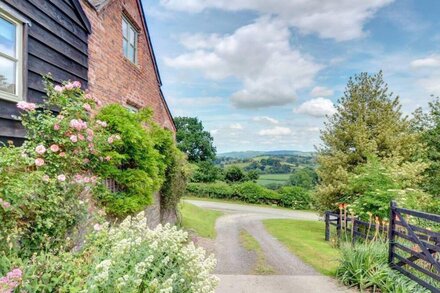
90 132
86 179
108 158
39 162
54 148
40 149
56 127
87 107
110 140
62 154
81 137
73 138
76 84
26 106
58 88
61 177
97 227
90 138
45 178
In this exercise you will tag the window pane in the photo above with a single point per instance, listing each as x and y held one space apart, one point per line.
132 36
130 53
7 37
7 75
124 28
124 47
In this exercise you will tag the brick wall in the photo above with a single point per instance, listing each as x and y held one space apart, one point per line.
112 77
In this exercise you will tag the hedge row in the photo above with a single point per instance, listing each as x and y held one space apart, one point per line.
291 197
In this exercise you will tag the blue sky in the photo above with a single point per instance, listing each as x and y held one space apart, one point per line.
262 74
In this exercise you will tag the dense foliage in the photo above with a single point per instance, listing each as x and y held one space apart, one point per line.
234 174
368 123
206 171
48 192
125 258
428 125
44 182
251 192
304 177
193 140
138 156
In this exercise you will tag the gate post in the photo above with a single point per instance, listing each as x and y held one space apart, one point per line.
353 231
327 226
391 228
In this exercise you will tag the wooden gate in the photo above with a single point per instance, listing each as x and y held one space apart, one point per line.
414 250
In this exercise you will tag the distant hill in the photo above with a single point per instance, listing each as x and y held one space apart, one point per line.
253 154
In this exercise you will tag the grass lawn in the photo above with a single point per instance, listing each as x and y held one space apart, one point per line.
251 244
305 239
200 220
266 179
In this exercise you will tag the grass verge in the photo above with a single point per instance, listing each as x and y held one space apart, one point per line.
305 239
251 244
202 221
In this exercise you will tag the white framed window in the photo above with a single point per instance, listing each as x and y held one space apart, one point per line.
11 58
129 40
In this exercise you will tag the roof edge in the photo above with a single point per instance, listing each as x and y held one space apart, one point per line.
82 15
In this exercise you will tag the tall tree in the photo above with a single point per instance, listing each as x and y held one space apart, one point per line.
368 122
428 125
193 140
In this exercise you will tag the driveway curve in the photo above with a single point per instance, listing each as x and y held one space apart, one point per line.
235 263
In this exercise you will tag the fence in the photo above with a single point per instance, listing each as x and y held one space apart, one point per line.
414 250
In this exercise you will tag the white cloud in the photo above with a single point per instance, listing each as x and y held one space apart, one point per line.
259 55
194 102
214 131
266 119
236 126
321 91
336 19
276 131
318 107
431 61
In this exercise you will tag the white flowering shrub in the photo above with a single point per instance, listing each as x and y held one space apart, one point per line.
133 258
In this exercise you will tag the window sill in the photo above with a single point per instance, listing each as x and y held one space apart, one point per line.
135 65
10 98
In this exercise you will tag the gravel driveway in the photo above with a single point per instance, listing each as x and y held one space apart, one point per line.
235 264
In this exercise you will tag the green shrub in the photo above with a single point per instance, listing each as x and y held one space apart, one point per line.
254 193
127 257
366 266
140 161
206 171
211 190
295 197
234 174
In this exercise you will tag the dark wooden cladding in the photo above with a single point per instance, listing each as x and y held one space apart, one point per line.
56 43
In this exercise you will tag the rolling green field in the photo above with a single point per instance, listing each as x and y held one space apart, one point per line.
266 179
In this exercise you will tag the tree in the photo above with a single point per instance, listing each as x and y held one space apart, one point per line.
206 171
234 174
253 175
304 177
428 125
368 122
193 140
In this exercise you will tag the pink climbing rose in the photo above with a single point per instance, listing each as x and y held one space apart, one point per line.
73 138
87 107
26 106
58 88
39 162
54 148
40 149
61 177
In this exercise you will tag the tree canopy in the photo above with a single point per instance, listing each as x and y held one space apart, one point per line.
368 122
193 140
